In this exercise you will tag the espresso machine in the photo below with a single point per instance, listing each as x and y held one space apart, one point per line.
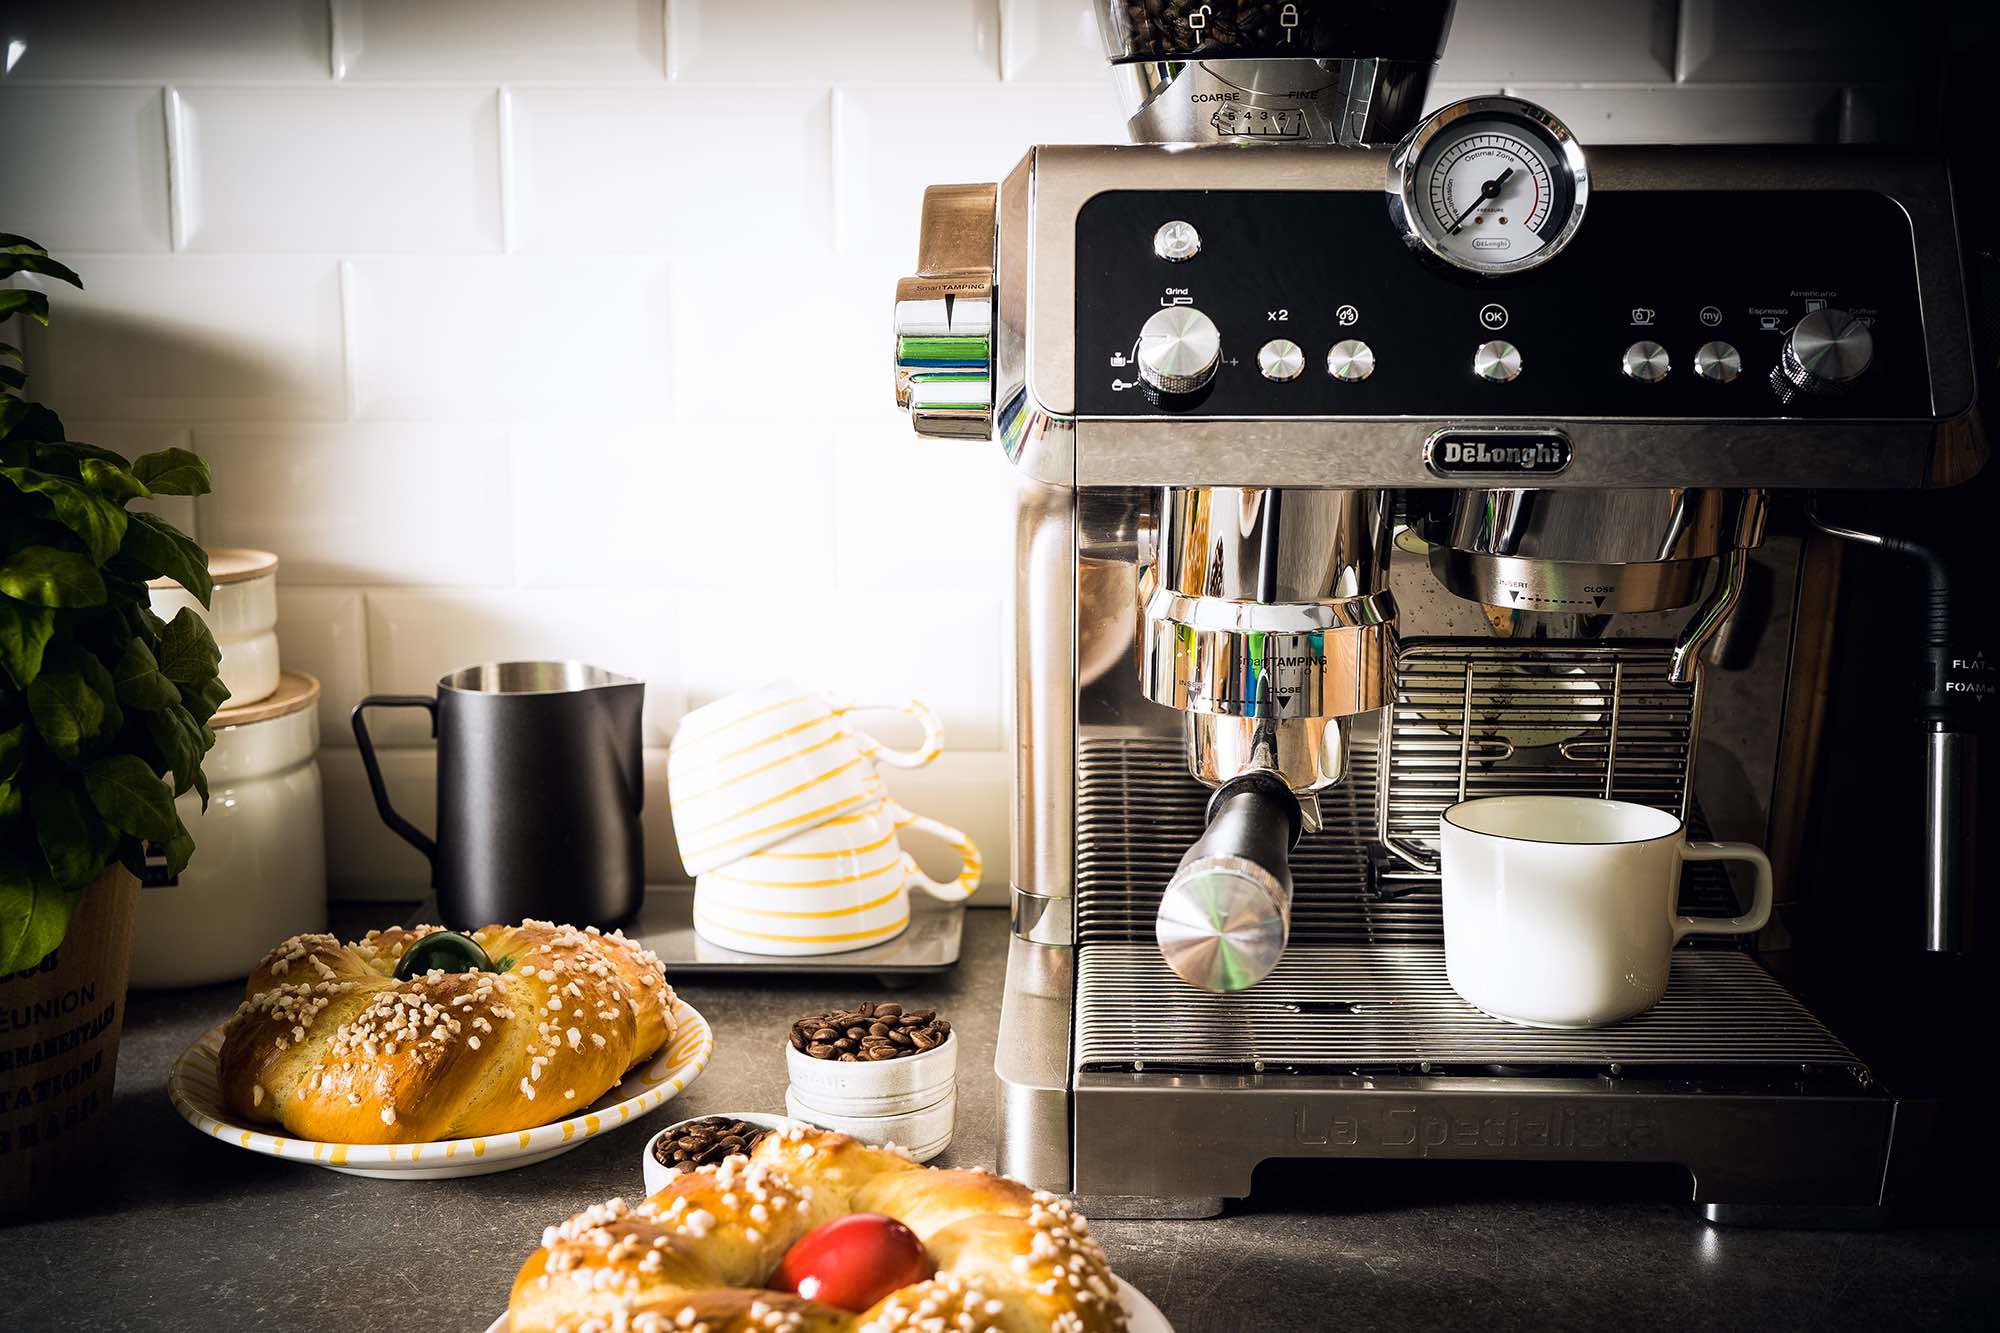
1367 460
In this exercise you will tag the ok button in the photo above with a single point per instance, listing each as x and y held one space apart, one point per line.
1493 316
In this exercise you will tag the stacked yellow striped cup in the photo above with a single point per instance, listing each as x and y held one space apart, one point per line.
783 819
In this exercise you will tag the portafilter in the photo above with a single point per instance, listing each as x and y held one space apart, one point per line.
1268 627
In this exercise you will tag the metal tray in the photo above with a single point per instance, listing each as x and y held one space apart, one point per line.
929 946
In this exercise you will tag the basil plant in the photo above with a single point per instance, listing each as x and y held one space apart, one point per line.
103 706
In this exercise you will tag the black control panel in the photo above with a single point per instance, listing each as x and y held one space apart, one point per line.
1682 270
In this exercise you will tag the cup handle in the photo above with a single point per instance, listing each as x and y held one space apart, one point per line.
969 871
410 832
932 747
1760 897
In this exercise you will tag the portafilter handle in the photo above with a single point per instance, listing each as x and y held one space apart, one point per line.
1225 915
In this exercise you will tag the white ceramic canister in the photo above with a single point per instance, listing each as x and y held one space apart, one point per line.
242 614
875 1087
258 874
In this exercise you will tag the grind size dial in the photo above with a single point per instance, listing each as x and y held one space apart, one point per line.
1491 185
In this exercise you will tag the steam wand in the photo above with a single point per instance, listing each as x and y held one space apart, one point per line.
1956 683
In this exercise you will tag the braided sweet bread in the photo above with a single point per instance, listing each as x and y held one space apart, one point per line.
333 1047
692 1258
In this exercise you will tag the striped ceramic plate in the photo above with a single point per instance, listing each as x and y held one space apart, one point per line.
192 1086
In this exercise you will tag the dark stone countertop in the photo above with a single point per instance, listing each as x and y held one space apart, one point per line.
184 1232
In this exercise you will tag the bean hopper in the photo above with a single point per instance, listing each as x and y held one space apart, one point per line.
1366 460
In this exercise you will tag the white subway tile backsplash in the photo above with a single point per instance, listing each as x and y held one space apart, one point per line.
1557 41
497 39
74 40
519 338
193 338
371 169
1798 41
679 170
324 631
1685 114
884 165
363 503
799 41
133 438
417 635
86 168
912 514
596 505
882 644
752 511
1051 41
364 859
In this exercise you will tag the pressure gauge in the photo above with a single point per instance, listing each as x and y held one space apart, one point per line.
1491 185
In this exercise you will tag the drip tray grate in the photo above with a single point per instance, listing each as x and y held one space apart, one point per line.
1382 1008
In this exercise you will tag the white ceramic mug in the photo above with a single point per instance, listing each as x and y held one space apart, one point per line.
1559 911
840 885
753 769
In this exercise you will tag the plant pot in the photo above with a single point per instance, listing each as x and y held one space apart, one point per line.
59 1028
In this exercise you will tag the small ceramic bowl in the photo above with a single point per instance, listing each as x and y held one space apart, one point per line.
656 1172
875 1087
925 1132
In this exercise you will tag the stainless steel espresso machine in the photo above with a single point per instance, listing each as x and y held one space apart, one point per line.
1366 461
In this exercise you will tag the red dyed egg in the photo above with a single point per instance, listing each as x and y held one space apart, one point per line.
853 1262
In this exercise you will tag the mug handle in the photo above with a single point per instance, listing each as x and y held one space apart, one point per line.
932 747
1760 896
411 834
969 870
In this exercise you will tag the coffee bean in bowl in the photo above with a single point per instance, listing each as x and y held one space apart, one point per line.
869 1031
702 1142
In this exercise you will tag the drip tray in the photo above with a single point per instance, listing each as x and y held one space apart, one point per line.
1331 1008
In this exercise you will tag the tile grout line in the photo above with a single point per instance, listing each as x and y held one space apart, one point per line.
336 62
836 169
176 146
667 43
505 137
349 398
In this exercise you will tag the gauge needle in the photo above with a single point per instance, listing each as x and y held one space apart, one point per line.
1488 191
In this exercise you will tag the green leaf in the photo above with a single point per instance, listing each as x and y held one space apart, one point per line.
188 655
179 847
13 745
11 805
181 742
46 576
139 681
10 352
29 421
131 796
24 633
17 260
34 912
111 480
23 301
173 472
205 698
164 549
69 715
13 377
99 523
75 840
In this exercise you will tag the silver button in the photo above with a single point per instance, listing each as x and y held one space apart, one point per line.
1176 241
1499 361
1718 362
1281 359
1646 361
1350 359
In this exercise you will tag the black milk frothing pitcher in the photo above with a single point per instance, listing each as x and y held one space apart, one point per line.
539 787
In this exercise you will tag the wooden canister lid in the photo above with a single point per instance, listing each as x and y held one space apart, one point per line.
230 564
296 692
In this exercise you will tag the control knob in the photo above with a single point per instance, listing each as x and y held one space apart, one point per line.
1824 353
1179 349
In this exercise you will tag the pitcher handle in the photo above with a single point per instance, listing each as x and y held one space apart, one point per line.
932 747
409 832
